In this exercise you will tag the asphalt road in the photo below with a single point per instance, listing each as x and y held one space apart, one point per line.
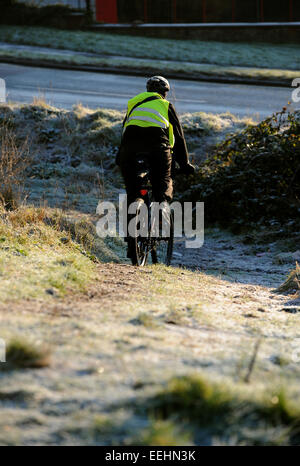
63 89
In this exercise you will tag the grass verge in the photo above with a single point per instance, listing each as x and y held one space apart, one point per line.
215 53
171 68
37 259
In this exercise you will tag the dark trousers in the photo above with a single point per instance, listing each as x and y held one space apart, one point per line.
159 161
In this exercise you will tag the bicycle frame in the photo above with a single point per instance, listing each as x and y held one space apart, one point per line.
144 245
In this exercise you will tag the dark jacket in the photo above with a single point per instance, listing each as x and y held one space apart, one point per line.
138 139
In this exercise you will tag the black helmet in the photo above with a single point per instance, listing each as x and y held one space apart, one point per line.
158 84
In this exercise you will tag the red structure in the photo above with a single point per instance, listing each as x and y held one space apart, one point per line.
106 11
262 16
204 11
291 10
233 11
174 8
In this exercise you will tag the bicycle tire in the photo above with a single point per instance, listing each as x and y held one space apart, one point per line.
139 247
167 257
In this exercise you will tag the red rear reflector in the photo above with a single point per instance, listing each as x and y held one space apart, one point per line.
144 192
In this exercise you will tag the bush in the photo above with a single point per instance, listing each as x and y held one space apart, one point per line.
22 354
253 177
18 13
191 398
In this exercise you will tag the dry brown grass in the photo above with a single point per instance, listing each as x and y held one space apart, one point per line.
14 160
40 101
292 283
26 215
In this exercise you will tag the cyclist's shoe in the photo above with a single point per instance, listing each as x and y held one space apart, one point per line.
139 201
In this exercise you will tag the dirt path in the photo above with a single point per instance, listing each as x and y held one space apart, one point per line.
137 328
226 255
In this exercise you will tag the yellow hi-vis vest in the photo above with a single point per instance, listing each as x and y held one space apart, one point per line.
154 113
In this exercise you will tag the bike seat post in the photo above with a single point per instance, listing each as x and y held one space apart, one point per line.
142 167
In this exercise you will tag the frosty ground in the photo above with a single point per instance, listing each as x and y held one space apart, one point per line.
126 355
188 58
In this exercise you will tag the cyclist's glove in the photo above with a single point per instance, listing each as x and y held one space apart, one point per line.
188 169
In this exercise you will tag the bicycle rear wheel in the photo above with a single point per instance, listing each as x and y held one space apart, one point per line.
162 248
139 251
138 245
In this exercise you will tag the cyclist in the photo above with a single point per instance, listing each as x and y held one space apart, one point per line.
151 127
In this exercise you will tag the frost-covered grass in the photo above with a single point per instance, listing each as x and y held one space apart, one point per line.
74 151
37 259
131 345
188 69
115 380
201 403
223 54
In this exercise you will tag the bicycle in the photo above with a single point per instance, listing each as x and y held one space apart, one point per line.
160 247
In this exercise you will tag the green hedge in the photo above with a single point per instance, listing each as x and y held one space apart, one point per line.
254 177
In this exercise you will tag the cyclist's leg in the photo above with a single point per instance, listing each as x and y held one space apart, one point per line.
128 170
160 173
130 167
162 187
